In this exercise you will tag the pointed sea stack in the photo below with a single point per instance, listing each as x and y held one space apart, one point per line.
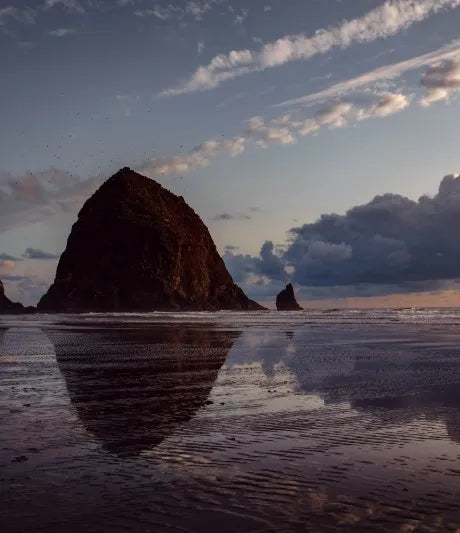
7 307
138 247
285 301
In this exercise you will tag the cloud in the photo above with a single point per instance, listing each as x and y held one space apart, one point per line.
441 81
335 116
69 4
383 21
269 264
228 216
262 134
36 196
388 104
200 47
237 216
7 257
128 103
373 77
389 240
62 32
198 157
391 244
35 253
6 266
239 16
195 9
26 16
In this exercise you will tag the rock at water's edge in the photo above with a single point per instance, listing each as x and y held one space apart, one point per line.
285 301
138 247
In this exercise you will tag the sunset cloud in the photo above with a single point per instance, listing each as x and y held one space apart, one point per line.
383 21
373 77
391 244
388 104
441 81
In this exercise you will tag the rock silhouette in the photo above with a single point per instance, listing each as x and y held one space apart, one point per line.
138 247
133 387
9 307
285 301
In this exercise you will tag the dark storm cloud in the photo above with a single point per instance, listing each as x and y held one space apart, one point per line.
390 240
391 244
269 263
35 253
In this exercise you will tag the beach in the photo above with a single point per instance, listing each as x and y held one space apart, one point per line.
325 420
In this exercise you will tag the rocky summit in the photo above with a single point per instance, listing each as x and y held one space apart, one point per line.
285 301
138 247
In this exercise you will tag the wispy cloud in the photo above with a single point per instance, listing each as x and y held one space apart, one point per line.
385 20
372 77
239 15
37 196
25 15
195 9
69 4
228 216
128 103
62 32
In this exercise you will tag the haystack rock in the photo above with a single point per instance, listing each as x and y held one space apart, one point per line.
7 306
285 301
138 247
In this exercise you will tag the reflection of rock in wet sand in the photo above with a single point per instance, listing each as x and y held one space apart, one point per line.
132 388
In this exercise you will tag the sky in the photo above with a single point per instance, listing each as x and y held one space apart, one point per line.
317 139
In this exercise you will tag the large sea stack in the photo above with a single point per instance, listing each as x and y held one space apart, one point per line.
285 301
138 247
8 307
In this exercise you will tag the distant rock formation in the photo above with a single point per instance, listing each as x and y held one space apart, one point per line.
7 306
285 301
138 247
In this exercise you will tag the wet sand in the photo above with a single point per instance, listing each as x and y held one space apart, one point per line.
340 421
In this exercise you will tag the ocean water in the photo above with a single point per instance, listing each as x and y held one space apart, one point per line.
339 420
